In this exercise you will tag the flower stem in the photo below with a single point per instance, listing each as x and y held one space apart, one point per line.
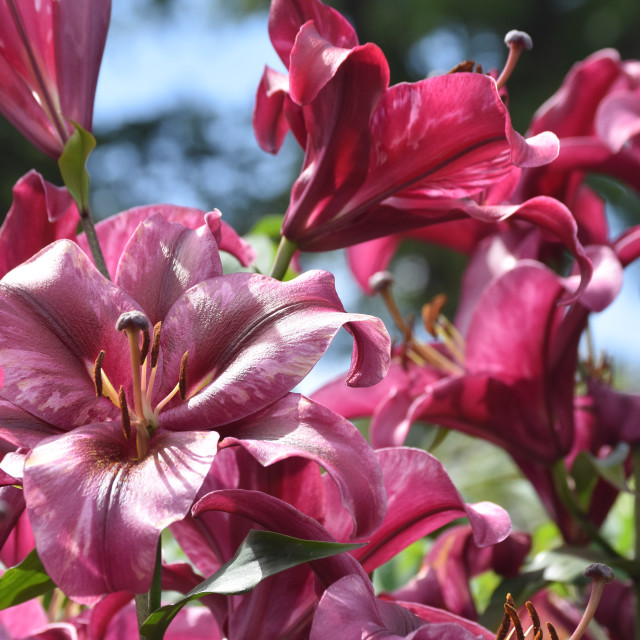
147 603
285 252
92 238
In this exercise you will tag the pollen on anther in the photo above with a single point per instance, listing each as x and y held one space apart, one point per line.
182 379
144 349
97 374
124 412
155 345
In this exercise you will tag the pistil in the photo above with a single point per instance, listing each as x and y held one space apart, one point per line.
517 41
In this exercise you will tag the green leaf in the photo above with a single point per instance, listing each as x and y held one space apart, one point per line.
73 165
586 468
25 581
268 226
262 554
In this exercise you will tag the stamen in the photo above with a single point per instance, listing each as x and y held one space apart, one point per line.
535 619
142 440
182 378
144 349
124 412
463 67
553 634
513 614
504 627
97 374
431 312
517 41
155 345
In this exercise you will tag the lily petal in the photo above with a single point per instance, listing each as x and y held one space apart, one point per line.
97 515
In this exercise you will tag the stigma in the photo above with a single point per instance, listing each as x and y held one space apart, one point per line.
139 420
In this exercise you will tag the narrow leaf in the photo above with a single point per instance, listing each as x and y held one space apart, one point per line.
73 165
262 554
24 581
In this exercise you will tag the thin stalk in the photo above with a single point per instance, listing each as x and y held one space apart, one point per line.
147 603
285 252
92 238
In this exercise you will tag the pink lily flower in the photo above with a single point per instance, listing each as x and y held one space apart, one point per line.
51 214
379 159
50 54
295 499
120 466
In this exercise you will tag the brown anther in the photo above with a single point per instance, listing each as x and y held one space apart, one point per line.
538 635
124 412
513 614
132 320
431 311
144 349
478 68
462 67
97 374
533 614
155 345
511 601
182 379
504 627
553 634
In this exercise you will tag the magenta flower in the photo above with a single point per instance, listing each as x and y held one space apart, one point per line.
294 498
50 54
378 159
122 433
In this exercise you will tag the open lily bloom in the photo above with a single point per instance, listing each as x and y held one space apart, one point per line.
295 499
122 390
50 54
379 159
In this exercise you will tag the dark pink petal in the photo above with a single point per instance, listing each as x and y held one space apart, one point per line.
269 121
97 515
627 245
157 278
22 620
605 282
276 515
432 502
47 211
296 426
618 119
368 258
114 233
256 339
350 606
439 616
20 542
571 110
228 240
286 17
79 35
56 314
20 428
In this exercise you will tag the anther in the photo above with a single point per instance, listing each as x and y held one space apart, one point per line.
463 67
97 374
533 614
132 320
431 312
155 345
182 378
144 349
553 634
124 412
517 625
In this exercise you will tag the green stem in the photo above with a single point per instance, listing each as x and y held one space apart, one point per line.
570 502
285 252
147 603
92 238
